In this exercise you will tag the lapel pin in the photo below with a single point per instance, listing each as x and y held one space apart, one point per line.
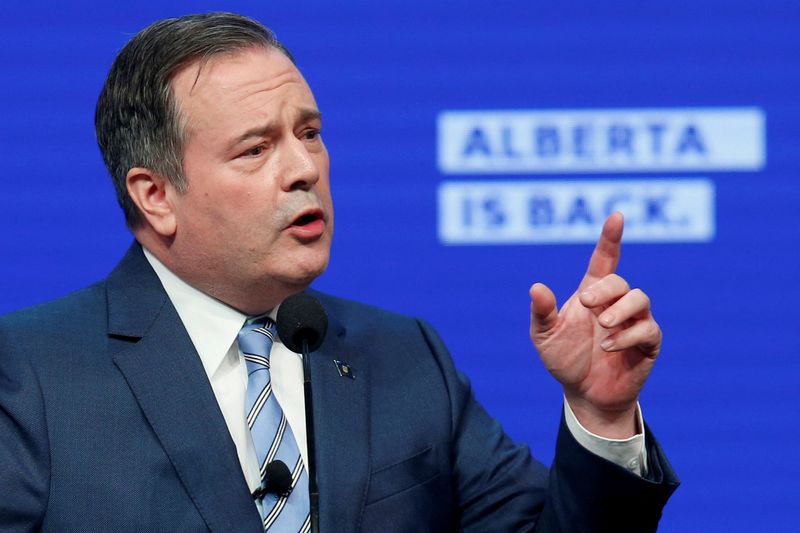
344 368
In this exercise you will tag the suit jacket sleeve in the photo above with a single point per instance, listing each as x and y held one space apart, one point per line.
500 487
24 449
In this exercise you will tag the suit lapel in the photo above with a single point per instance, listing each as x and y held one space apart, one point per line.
168 381
341 425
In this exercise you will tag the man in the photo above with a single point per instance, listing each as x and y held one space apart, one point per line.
127 406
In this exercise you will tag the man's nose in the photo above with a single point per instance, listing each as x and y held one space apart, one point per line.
300 169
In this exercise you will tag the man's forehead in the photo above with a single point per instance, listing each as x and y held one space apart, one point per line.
229 70
252 81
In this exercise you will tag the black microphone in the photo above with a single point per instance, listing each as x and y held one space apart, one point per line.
278 481
301 318
302 324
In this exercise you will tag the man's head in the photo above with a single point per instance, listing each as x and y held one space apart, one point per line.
211 136
137 121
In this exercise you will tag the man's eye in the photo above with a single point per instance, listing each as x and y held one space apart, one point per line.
254 151
311 134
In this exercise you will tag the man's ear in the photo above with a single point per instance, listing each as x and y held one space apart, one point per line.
152 193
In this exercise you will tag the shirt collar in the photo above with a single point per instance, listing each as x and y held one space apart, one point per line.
212 325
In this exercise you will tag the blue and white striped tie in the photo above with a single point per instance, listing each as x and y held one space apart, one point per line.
272 436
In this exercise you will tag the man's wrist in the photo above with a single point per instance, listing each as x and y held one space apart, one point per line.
629 453
609 424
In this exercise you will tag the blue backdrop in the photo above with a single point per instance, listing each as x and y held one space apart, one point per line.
723 397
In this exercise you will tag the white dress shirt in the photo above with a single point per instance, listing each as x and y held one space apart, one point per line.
213 326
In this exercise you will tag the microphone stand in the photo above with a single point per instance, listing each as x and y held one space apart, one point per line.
313 489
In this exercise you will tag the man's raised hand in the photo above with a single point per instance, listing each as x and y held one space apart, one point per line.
602 343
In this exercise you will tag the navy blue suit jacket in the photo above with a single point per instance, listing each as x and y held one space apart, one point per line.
108 423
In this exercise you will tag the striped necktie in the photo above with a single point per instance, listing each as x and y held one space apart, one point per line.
272 436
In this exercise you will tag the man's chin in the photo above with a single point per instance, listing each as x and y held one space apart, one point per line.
304 273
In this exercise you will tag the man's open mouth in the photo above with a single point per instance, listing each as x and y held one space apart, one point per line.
309 224
307 218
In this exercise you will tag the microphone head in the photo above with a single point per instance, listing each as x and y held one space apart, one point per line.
302 317
278 479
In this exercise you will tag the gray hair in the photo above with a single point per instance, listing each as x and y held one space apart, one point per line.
137 120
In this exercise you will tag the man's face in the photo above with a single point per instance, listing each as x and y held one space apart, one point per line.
257 220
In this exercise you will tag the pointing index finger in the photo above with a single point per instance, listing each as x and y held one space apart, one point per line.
605 257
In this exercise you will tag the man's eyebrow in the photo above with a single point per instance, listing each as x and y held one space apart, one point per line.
256 132
307 114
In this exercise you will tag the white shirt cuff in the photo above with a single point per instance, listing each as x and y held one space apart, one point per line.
627 453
